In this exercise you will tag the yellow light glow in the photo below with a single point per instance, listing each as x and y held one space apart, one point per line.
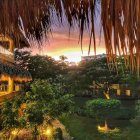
128 93
63 44
48 132
14 132
105 128
107 95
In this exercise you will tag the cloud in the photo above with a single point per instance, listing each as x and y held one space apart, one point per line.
60 43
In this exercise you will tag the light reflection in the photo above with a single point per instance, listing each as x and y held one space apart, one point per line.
14 132
48 132
106 129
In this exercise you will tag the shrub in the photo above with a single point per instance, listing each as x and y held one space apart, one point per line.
103 108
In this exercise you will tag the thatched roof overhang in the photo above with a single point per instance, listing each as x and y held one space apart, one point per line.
12 70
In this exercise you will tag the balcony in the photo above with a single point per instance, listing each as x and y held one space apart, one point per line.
6 55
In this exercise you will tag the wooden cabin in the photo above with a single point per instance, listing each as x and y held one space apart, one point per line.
12 77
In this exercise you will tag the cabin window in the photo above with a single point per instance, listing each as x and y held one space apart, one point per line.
3 87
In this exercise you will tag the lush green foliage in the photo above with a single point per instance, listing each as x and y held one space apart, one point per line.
9 116
85 127
45 67
40 102
103 108
78 79
40 67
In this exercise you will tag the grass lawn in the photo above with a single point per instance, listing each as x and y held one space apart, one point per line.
85 128
80 128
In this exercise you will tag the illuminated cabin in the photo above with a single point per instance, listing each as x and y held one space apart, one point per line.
12 77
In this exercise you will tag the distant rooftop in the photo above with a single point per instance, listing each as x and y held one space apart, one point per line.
92 57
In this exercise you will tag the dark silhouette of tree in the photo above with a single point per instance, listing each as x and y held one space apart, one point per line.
63 58
22 58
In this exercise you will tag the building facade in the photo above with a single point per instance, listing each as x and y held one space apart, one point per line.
12 77
92 57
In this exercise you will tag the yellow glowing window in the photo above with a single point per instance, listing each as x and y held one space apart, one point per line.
3 87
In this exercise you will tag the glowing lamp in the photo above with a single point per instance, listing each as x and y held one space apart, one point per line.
48 131
14 132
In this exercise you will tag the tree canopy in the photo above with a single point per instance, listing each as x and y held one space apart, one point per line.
41 104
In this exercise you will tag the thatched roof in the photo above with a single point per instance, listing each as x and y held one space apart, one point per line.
13 70
120 21
33 16
25 15
121 27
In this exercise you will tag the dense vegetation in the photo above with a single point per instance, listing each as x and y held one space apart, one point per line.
42 103
103 109
79 80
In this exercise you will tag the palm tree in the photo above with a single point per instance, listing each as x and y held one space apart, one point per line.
120 22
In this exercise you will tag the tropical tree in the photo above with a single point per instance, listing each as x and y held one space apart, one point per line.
35 117
9 116
45 67
32 109
103 109
63 58
80 78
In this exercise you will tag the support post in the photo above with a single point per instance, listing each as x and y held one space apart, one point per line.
10 85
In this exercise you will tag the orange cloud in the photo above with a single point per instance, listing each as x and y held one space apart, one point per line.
60 43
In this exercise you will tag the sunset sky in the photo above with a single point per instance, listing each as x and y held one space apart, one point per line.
60 43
